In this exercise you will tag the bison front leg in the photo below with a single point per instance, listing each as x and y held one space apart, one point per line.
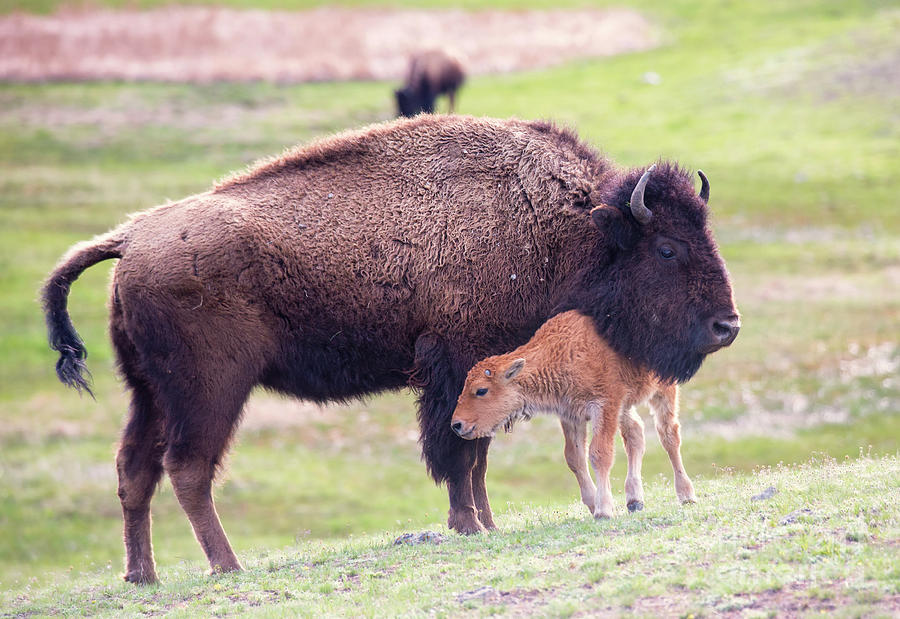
439 375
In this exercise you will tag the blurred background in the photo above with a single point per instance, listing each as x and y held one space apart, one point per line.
791 109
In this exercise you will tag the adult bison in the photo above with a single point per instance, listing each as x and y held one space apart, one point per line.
396 255
431 73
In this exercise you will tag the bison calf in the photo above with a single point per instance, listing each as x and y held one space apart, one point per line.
568 370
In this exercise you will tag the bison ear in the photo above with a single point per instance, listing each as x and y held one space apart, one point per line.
612 223
514 368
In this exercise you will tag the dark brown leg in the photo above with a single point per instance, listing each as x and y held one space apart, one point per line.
479 487
463 516
192 481
439 375
139 466
202 416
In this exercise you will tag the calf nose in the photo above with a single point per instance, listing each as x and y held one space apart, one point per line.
724 329
457 426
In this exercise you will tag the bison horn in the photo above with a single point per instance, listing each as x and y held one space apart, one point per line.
704 187
641 212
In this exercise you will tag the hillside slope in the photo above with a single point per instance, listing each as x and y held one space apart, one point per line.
828 540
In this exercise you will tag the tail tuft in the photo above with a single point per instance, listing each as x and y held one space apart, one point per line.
72 369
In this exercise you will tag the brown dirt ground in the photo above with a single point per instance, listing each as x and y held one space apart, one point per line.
205 44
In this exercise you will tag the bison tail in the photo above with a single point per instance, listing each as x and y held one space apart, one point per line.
71 368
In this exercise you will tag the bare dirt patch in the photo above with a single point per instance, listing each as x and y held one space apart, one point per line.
206 44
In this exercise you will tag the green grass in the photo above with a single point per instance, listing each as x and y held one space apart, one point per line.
824 543
804 195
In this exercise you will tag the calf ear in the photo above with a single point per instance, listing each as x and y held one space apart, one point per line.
612 223
514 368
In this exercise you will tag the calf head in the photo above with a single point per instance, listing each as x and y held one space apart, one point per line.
656 286
491 398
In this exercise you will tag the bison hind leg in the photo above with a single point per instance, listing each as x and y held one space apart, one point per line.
138 463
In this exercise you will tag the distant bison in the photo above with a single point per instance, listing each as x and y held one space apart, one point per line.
430 74
397 255
567 370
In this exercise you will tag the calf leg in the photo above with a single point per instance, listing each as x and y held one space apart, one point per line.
139 467
632 428
479 487
602 453
575 433
665 415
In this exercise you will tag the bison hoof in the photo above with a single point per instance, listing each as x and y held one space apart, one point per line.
465 524
141 577
635 506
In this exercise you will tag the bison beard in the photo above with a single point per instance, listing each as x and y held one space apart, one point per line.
398 254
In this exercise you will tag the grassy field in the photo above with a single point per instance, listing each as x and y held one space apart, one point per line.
787 109
826 542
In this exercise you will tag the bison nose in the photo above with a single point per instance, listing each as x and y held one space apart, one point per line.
724 330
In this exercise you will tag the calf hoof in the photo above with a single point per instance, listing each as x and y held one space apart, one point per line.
142 577
689 500
226 568
602 516
635 506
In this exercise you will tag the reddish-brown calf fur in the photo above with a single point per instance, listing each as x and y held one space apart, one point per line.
568 370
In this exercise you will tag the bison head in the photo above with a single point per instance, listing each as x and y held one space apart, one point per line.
656 286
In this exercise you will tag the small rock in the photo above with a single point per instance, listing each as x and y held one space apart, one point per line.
765 495
479 593
794 516
425 537
652 78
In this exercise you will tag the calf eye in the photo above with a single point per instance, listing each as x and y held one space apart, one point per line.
666 252
481 392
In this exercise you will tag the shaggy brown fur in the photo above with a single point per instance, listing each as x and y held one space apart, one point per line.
398 254
568 370
431 73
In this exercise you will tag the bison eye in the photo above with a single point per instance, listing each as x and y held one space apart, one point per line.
666 252
481 392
